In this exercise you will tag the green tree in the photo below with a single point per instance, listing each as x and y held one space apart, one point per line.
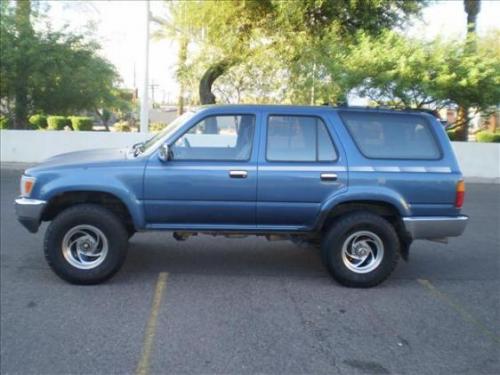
117 102
230 33
182 34
7 58
408 72
395 70
472 8
71 77
46 71
25 34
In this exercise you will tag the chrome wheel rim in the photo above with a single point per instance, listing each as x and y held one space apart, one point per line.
85 247
362 251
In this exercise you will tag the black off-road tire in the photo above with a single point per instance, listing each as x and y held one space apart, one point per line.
341 230
90 215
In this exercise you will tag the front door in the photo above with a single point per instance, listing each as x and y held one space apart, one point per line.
300 166
211 179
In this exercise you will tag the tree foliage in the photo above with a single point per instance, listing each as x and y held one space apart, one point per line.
408 72
47 71
231 33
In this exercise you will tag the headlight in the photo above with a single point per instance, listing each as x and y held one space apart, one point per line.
27 184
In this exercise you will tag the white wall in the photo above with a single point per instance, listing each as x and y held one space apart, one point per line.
477 160
29 146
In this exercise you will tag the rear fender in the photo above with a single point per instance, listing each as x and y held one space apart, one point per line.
375 194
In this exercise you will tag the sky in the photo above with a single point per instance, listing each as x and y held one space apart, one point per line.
120 27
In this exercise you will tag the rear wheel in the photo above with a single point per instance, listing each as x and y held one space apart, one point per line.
86 244
361 249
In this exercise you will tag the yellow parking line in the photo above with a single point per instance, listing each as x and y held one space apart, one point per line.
459 309
143 366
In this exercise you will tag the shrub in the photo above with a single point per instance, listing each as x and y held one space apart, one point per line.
81 123
57 122
452 134
156 127
38 121
4 122
122 126
488 137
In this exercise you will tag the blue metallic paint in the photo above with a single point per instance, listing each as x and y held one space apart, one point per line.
276 196
201 192
291 193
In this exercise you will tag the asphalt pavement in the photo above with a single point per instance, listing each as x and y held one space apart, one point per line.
244 306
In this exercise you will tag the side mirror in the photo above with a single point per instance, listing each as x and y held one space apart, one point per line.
165 153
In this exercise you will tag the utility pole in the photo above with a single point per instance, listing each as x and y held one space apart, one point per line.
153 88
313 99
135 83
144 99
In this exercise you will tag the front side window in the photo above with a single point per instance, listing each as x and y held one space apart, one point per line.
392 136
223 137
298 139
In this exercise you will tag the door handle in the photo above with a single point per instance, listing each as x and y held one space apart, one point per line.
328 177
238 174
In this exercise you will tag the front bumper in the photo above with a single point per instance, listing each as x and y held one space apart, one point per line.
432 227
29 212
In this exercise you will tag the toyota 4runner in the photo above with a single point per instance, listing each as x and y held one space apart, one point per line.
362 184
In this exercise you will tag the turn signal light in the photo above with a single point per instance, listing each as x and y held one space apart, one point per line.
459 198
27 184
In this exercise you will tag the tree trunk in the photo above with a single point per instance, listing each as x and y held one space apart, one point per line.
183 46
106 126
103 118
213 72
462 124
472 8
25 35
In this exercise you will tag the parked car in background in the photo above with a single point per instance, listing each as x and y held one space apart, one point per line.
362 184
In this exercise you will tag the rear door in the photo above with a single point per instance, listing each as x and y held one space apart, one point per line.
301 164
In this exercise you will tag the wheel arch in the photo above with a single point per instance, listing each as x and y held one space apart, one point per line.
386 208
110 200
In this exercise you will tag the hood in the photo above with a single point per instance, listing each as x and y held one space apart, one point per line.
80 158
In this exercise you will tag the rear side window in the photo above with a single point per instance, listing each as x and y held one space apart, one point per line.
298 139
392 136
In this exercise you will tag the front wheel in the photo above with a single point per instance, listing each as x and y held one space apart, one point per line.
86 244
361 249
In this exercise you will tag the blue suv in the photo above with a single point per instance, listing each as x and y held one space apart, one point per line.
361 184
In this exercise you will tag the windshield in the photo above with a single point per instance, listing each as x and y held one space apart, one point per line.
169 129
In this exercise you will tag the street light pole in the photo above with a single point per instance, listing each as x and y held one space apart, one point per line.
144 99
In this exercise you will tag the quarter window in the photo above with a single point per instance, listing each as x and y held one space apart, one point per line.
224 137
392 136
298 139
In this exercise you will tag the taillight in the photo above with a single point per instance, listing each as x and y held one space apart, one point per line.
460 194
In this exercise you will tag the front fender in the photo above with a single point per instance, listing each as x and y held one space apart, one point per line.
364 194
125 187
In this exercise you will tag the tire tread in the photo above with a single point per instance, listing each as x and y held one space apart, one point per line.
89 210
339 228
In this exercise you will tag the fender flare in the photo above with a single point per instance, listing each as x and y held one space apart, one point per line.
117 189
372 194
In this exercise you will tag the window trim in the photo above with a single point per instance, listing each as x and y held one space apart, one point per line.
317 149
254 115
427 123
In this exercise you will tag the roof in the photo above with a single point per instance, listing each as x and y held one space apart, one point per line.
311 108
